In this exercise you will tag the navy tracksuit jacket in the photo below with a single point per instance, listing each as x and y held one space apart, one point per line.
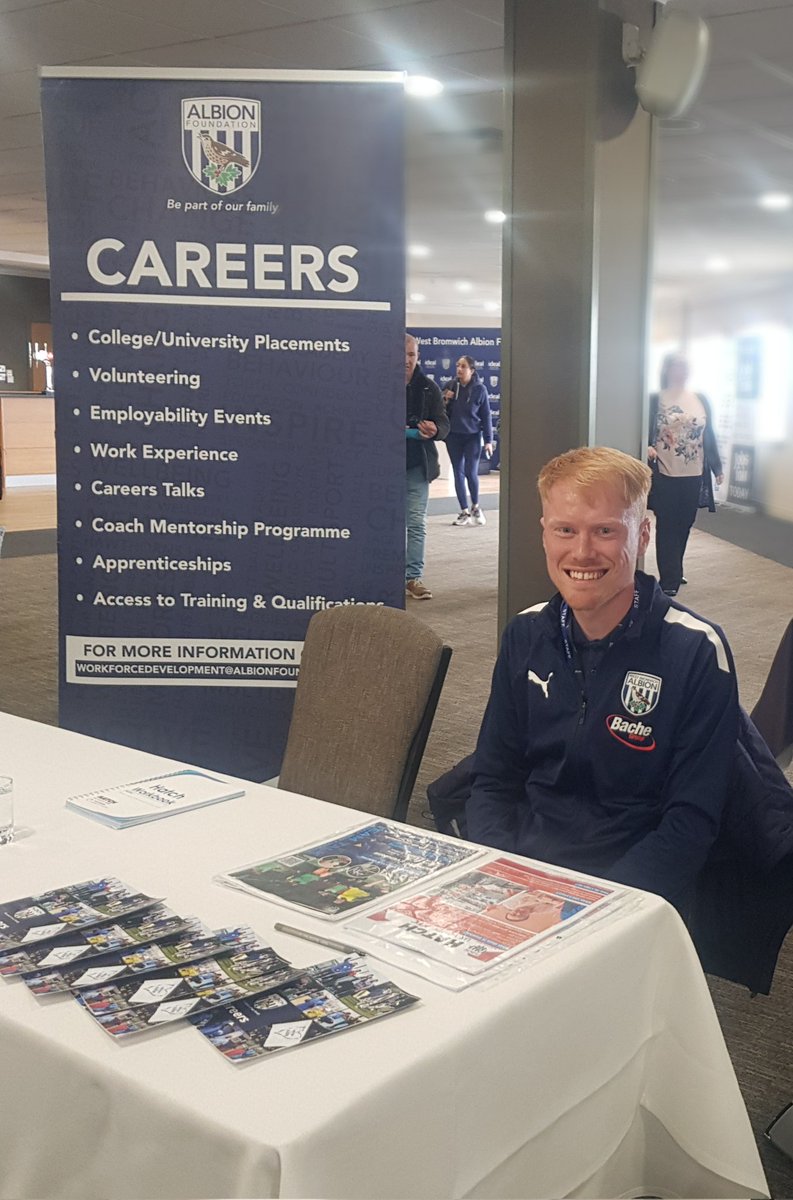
620 770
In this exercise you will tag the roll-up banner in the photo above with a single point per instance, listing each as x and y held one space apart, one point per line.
227 266
440 348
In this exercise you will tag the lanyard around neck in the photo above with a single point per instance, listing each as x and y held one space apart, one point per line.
565 624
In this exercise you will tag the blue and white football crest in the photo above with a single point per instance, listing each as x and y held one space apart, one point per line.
221 141
640 692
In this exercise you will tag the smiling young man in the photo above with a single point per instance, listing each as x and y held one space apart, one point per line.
610 731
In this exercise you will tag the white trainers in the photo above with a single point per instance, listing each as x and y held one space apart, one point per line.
463 519
477 516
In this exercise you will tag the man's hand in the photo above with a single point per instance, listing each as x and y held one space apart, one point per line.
488 448
719 480
428 429
652 453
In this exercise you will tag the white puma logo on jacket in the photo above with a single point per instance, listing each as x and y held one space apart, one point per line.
543 683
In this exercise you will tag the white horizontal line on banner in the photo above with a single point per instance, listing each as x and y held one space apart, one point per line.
232 75
223 301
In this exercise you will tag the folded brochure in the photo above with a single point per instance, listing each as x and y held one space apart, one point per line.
189 945
131 1006
38 918
135 929
325 999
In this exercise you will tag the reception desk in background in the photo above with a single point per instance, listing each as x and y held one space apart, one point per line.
27 435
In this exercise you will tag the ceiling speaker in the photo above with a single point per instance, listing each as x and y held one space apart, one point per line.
673 65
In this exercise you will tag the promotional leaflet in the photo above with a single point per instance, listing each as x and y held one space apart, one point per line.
151 799
133 1005
328 998
365 863
193 943
34 918
155 922
477 920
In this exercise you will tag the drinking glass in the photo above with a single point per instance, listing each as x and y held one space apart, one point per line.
6 810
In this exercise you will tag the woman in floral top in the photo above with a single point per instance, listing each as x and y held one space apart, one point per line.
684 457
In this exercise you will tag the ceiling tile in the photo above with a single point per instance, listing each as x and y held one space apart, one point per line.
25 181
7 6
194 19
491 10
745 80
314 45
69 29
317 10
19 92
437 27
206 52
22 162
17 132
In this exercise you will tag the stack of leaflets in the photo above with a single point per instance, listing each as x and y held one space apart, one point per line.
462 927
155 922
363 864
135 965
130 1006
38 918
151 799
327 998
190 944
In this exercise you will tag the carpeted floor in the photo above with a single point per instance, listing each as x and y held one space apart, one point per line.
751 597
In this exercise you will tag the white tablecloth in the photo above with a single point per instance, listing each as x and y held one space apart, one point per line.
599 1070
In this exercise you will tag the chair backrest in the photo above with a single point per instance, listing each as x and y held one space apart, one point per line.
773 713
369 682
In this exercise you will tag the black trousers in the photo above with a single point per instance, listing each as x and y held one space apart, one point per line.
674 502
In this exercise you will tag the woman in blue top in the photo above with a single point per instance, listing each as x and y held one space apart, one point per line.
468 409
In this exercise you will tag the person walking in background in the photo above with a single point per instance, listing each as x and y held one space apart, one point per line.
684 457
468 408
425 422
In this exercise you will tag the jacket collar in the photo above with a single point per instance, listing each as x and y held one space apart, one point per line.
653 605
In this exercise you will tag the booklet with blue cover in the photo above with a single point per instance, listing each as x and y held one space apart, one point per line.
152 799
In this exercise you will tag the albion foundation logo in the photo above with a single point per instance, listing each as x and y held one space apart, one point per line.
221 141
640 693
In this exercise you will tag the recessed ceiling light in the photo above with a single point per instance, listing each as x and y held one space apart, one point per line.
464 285
422 85
495 216
775 201
418 251
492 305
717 263
417 297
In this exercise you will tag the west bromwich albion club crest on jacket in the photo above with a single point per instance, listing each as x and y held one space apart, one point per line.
640 693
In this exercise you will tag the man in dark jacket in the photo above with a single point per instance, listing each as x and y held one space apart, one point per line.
426 422
611 727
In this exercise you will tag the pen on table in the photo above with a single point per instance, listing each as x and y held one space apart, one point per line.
315 937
